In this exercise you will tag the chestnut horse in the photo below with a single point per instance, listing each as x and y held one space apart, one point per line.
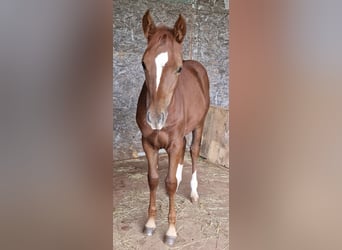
173 102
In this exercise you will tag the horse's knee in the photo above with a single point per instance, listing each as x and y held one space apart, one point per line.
153 182
171 186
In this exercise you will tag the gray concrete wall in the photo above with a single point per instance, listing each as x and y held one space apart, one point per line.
206 41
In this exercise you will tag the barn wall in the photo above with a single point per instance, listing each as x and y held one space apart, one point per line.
206 41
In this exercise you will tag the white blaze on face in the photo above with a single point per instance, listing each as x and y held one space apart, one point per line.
160 61
179 174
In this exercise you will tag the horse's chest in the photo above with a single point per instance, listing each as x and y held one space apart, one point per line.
159 139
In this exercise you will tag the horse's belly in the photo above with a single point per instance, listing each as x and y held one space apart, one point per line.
195 117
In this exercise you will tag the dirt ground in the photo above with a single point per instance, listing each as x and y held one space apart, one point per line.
200 226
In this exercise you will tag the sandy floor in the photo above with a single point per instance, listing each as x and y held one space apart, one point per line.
200 226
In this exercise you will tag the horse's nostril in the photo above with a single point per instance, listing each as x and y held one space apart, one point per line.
162 117
148 117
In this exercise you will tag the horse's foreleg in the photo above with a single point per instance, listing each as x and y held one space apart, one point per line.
176 155
153 180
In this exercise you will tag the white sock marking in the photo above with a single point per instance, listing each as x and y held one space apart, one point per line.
160 61
194 185
179 174
151 223
171 231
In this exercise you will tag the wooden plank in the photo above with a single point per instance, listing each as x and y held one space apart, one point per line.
215 138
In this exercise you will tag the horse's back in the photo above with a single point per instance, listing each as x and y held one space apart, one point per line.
200 73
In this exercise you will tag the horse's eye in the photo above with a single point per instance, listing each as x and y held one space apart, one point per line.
179 69
144 66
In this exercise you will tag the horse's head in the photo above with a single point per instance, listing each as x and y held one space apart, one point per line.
162 63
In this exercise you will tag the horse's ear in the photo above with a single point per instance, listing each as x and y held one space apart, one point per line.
180 29
148 25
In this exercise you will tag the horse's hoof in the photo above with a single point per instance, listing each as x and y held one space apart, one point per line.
170 240
148 231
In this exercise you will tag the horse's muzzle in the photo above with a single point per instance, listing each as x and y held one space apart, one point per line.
156 121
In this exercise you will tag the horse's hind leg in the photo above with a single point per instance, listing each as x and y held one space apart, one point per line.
194 151
180 166
153 180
